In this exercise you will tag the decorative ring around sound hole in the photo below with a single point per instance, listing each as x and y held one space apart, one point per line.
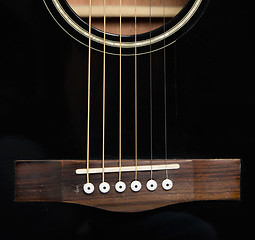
175 28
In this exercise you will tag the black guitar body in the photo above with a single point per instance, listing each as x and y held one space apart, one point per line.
43 107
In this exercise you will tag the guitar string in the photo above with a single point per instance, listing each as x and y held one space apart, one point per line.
151 115
120 58
165 87
103 139
135 96
89 69
89 66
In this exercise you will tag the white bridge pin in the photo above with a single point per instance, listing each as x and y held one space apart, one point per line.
104 187
167 184
120 186
151 185
88 188
136 186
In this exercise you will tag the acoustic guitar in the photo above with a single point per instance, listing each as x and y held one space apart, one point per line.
122 106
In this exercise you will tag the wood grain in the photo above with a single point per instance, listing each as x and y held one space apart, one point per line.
196 180
172 8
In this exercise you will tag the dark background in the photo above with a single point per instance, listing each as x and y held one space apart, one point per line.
43 116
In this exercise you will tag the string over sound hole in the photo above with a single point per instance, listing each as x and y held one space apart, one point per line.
150 14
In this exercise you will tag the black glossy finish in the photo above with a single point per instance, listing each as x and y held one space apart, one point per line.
43 97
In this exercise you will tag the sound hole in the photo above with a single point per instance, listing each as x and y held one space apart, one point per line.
150 14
